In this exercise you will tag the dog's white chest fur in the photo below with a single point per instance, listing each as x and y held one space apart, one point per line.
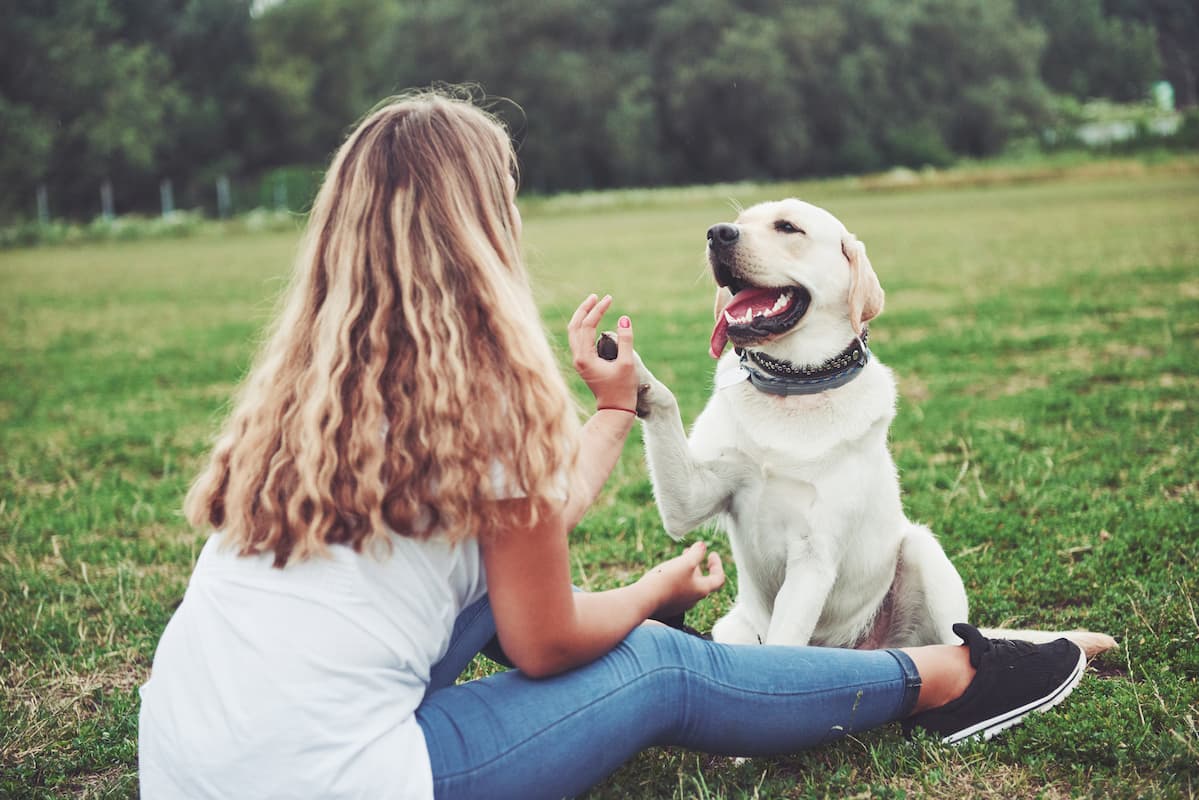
807 499
809 496
814 425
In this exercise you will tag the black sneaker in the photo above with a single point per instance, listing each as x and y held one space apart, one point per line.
1014 679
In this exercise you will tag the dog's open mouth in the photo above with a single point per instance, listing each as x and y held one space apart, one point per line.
757 313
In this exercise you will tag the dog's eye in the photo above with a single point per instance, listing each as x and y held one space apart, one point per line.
783 226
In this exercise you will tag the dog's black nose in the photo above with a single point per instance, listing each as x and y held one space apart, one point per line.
723 234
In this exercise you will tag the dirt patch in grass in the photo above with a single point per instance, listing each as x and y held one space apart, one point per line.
116 781
46 710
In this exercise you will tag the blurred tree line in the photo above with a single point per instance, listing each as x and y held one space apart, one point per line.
602 93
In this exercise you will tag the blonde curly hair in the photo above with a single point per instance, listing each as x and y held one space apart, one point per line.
407 384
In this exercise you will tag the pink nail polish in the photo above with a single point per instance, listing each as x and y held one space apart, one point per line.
625 322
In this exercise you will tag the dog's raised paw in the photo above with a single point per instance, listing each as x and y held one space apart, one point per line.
643 403
652 394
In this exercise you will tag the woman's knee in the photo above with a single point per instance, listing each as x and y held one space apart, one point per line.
663 651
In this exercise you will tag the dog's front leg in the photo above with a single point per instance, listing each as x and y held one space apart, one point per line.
746 623
799 601
688 491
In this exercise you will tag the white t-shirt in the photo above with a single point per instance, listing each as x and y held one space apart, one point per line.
302 681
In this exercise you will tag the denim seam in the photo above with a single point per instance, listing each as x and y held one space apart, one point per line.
912 682
683 669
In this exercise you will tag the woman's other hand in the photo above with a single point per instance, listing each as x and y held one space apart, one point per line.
681 582
614 383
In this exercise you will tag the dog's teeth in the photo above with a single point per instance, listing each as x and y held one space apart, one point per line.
730 319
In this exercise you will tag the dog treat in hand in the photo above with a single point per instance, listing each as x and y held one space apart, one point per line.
605 346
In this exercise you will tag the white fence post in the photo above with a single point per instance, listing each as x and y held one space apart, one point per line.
107 208
224 200
166 193
43 204
280 195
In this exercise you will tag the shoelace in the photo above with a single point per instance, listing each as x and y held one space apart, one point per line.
1000 647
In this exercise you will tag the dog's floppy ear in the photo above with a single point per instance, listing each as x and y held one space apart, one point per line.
723 296
865 292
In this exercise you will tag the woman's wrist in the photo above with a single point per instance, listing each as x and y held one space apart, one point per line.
615 422
615 407
656 590
618 401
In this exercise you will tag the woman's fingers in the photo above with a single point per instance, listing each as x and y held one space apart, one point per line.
624 339
715 571
582 310
575 331
614 383
576 319
581 333
715 578
586 319
591 319
685 581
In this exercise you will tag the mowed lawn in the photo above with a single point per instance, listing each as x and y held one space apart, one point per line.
1043 330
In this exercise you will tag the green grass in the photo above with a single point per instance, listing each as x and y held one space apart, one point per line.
1044 334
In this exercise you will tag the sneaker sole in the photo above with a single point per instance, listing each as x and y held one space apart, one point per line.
988 728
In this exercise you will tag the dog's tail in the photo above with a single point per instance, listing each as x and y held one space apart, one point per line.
1092 643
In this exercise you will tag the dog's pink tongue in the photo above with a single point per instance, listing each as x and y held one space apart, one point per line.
720 337
747 299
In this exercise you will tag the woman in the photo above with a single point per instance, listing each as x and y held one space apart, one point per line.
395 485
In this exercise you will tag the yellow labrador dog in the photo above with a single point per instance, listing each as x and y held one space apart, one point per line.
790 454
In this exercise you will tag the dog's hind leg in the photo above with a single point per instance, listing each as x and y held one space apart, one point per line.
928 595
928 579
1091 642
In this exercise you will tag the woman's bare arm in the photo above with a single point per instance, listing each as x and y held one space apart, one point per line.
614 384
546 627
600 446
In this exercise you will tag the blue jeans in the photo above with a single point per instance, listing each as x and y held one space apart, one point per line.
509 736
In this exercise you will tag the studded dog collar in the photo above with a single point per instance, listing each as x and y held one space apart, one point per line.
775 376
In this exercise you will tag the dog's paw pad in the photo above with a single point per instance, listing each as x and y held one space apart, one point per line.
643 400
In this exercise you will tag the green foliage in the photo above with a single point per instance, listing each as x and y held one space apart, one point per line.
288 188
619 93
1042 324
1091 54
1187 137
1175 25
320 66
124 93
1140 124
132 227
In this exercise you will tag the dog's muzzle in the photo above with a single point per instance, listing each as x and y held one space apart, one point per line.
755 313
721 239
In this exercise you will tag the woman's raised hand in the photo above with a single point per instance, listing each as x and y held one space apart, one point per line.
681 581
614 383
